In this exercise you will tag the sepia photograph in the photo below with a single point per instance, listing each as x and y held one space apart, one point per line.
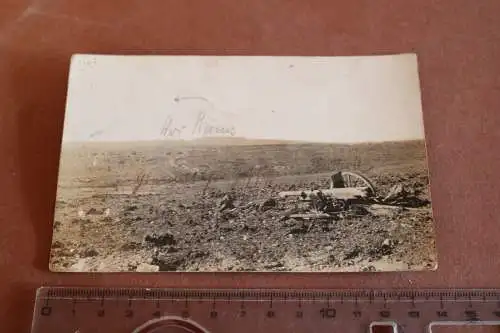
243 163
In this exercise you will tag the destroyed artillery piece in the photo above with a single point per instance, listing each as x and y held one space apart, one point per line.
347 188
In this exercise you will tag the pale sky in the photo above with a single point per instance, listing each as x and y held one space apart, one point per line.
319 99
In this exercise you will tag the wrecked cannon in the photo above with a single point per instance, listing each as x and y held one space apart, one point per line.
344 185
346 188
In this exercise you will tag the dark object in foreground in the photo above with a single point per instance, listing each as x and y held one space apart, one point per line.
163 239
402 196
348 189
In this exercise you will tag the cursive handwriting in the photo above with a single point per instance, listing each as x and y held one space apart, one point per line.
170 130
203 127
201 124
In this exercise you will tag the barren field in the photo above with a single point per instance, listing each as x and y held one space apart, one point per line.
149 206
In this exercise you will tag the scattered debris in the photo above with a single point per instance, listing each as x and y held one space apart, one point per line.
267 204
354 194
358 210
81 265
163 239
383 210
89 252
289 212
387 246
147 268
298 227
353 253
80 220
57 244
107 219
168 262
196 254
311 216
227 202
351 193
403 196
273 265
396 192
141 178
172 249
369 268
131 208
94 211
310 225
346 189
387 243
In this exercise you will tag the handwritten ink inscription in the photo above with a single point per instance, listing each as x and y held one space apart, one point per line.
169 129
202 123
204 127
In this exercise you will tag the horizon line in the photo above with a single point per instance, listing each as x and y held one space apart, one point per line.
241 139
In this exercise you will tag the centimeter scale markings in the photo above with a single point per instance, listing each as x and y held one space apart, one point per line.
82 310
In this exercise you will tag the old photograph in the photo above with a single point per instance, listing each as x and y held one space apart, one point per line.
243 163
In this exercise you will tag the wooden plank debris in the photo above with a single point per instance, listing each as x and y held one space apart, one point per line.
348 193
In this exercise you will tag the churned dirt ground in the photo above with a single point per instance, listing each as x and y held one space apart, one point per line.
160 206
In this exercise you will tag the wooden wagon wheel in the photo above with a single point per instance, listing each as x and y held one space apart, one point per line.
350 179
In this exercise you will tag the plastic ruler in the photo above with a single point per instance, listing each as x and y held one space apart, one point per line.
134 310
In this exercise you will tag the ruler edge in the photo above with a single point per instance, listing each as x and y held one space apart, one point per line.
38 293
428 328
43 291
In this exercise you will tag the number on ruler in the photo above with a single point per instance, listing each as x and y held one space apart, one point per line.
414 314
328 313
46 311
471 315
442 314
385 314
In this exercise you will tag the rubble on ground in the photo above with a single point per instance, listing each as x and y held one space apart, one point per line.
260 230
165 238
